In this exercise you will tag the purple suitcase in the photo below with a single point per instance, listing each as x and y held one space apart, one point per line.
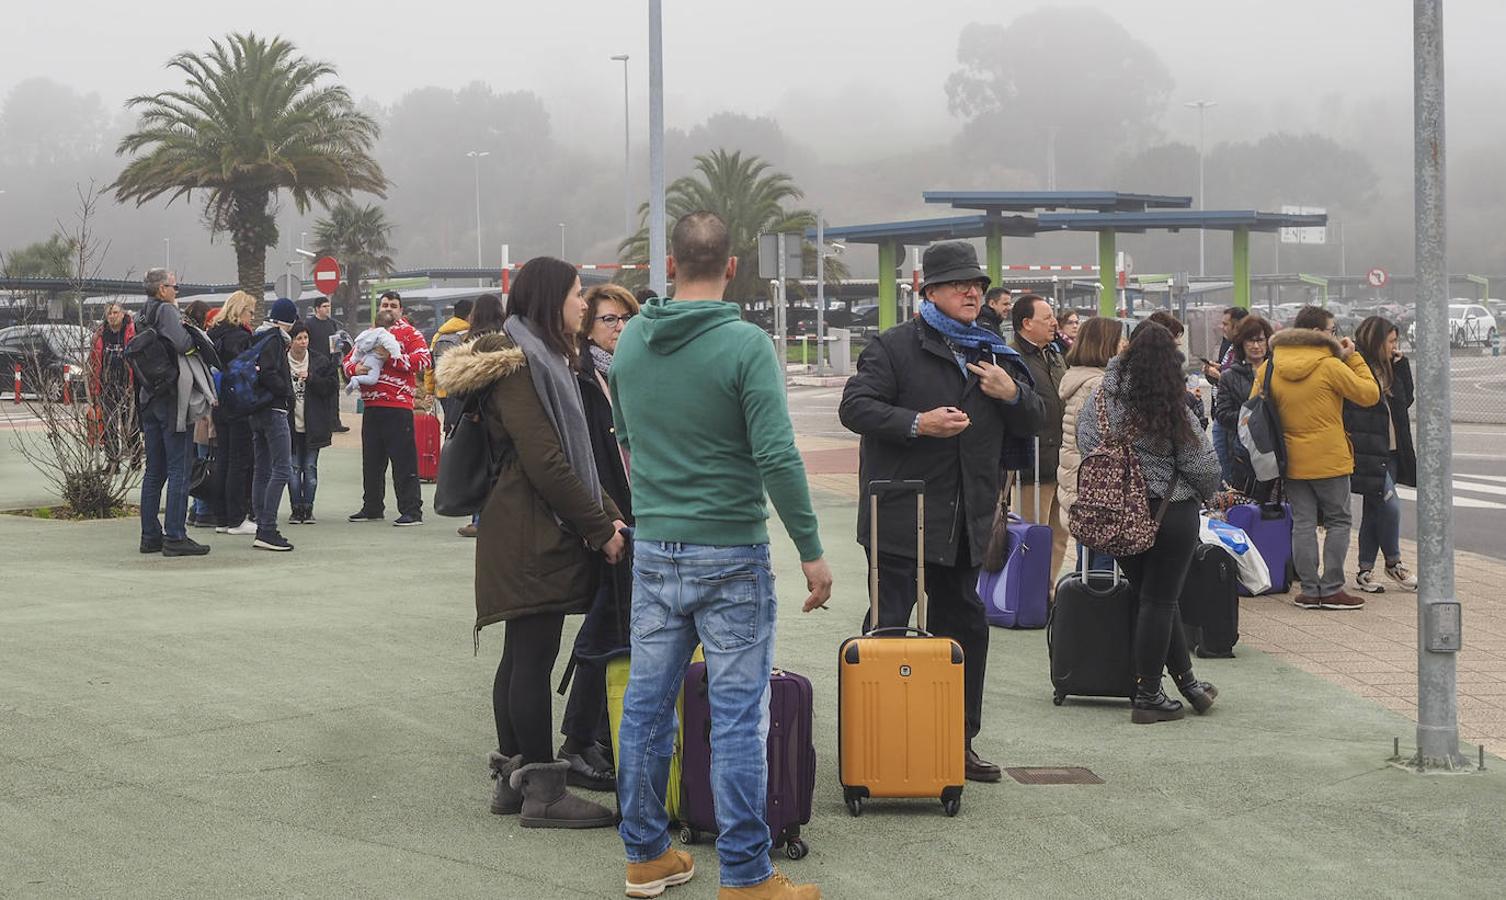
1269 526
792 761
1015 596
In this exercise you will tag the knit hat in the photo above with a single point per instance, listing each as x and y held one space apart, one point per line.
284 311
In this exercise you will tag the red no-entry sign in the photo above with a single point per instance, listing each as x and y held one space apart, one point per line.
326 275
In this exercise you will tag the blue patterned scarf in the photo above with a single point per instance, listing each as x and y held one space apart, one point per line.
1018 452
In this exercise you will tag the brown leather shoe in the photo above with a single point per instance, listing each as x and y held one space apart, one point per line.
649 879
776 887
1342 600
976 768
1306 602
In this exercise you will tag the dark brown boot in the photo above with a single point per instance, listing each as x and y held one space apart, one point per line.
548 804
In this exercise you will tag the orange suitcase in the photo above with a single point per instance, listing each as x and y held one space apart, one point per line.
900 696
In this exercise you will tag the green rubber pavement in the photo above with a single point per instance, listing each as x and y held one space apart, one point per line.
315 724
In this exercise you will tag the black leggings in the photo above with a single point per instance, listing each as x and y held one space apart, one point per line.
520 694
1157 577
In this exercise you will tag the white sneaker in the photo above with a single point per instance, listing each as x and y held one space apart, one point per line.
247 527
1364 579
1402 575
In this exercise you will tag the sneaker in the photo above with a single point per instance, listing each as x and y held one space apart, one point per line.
466 530
1364 579
247 527
364 516
151 545
271 540
776 887
1403 576
1342 600
308 515
183 547
649 879
205 522
405 520
295 516
1306 602
340 429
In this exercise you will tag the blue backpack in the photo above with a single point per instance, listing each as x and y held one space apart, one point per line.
241 392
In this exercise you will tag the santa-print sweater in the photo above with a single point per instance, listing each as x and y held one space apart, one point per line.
394 389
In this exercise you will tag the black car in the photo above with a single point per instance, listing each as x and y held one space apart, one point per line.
48 356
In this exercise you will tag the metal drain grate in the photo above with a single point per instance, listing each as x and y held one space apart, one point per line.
1067 775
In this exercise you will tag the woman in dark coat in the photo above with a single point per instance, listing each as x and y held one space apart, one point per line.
1383 453
231 336
110 381
310 422
543 531
1251 346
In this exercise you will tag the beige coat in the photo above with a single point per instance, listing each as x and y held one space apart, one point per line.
1077 385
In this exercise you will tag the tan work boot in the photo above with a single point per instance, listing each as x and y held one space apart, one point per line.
777 887
649 879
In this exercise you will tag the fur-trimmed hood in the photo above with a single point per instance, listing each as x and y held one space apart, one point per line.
1304 349
478 364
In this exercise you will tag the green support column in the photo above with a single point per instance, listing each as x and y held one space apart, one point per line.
888 301
994 246
1242 268
1107 277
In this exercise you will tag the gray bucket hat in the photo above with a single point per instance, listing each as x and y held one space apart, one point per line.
951 261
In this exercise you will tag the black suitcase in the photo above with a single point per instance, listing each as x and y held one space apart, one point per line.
1210 603
1088 636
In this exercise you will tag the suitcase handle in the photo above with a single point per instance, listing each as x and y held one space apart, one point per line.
902 629
1087 583
885 486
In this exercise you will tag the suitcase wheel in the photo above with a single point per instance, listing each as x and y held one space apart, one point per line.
951 805
689 835
1057 699
796 849
855 806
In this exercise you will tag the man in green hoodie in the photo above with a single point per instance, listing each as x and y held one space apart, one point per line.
699 402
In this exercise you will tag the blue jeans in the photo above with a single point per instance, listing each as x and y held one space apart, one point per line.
1222 449
1098 561
272 447
1380 522
168 458
722 597
305 473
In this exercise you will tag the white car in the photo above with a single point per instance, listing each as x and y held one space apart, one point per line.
1468 323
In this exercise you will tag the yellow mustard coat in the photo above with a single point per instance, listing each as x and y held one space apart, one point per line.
1311 382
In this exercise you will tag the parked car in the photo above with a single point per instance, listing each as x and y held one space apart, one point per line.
49 356
1468 323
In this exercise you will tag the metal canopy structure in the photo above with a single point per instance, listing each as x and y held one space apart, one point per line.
1030 201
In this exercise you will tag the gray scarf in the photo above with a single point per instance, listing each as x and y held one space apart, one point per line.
559 393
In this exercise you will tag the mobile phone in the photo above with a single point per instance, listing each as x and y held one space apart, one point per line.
1204 360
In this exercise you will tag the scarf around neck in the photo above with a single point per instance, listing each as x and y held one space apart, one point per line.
970 336
559 394
601 359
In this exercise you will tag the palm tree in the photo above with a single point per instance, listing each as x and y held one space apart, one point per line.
749 198
357 236
252 119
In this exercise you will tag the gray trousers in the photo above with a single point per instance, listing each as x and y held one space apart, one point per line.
1329 496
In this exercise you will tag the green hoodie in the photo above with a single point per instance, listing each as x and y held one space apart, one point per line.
699 403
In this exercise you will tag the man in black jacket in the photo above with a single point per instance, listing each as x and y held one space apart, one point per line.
995 308
936 399
1034 337
323 333
271 439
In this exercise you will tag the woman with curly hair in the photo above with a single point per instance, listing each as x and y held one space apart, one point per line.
1144 398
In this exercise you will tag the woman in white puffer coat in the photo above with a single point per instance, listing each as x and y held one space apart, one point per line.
1098 341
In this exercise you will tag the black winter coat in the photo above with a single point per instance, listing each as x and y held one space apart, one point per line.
318 416
272 370
1369 429
1233 390
1047 368
229 341
609 467
909 370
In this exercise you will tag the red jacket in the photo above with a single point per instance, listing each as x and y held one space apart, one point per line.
97 355
395 388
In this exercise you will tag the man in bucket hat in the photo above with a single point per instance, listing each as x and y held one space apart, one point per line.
941 400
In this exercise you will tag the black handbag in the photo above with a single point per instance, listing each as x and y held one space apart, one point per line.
468 467
200 480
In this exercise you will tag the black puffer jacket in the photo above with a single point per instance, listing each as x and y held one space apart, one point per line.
1233 390
1369 429
272 370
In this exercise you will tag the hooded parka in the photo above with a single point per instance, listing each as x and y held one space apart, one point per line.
1310 384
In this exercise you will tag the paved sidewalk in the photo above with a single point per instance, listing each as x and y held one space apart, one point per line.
315 724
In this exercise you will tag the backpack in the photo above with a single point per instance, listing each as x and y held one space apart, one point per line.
1111 513
152 359
241 392
1261 442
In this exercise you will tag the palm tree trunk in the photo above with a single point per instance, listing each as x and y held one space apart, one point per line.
252 231
354 322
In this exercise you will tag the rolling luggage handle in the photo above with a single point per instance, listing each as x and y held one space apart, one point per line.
885 487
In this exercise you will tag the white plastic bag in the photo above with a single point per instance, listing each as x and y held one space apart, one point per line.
1254 575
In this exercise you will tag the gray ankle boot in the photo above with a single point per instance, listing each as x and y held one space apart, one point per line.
506 801
547 803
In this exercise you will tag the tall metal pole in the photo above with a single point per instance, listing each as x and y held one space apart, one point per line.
167 253
1438 611
475 156
657 251
627 151
562 240
1201 106
820 294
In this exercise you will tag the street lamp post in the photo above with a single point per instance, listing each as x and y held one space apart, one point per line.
167 253
627 152
475 156
562 240
1202 107
658 250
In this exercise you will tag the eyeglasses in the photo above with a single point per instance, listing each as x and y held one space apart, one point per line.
612 320
963 287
